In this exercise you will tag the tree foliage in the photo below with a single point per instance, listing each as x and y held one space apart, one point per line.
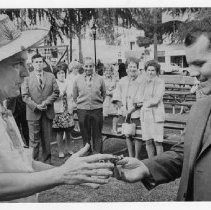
68 22
73 22
201 22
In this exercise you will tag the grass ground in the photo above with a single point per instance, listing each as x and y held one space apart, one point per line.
114 191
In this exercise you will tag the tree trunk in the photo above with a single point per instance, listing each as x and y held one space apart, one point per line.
71 44
80 55
155 20
71 47
155 47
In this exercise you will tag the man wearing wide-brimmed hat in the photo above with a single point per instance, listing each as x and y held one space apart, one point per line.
21 176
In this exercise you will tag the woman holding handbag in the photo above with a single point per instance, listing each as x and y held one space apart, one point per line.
124 96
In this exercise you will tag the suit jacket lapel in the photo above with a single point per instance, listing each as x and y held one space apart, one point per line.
196 128
205 146
35 81
44 79
207 141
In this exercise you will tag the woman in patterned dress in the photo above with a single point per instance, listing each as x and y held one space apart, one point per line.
63 120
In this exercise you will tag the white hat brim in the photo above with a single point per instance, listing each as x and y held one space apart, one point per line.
27 39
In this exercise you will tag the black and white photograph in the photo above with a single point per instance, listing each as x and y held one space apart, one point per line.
105 104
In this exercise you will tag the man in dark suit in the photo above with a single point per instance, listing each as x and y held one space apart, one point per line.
190 159
39 91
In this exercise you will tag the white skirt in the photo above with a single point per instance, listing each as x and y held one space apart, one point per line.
150 128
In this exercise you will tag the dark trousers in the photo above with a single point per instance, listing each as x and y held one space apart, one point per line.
18 108
91 124
40 135
23 126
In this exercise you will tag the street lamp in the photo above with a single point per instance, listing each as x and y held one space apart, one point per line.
94 28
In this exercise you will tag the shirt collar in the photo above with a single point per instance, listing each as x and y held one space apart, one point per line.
91 76
39 73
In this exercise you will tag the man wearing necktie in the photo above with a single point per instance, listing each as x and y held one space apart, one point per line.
89 94
39 91
40 80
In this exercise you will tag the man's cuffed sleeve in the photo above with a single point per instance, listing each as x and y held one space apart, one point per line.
149 182
165 167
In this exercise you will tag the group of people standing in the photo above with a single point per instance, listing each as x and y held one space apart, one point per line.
138 97
52 100
47 103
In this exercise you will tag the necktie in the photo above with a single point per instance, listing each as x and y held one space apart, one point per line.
40 81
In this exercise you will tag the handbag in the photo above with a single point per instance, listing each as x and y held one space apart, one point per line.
128 128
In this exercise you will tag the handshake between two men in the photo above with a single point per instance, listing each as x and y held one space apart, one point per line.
98 168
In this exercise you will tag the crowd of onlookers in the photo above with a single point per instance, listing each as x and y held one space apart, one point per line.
51 98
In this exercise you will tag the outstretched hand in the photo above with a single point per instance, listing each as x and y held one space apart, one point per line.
82 152
132 170
78 169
